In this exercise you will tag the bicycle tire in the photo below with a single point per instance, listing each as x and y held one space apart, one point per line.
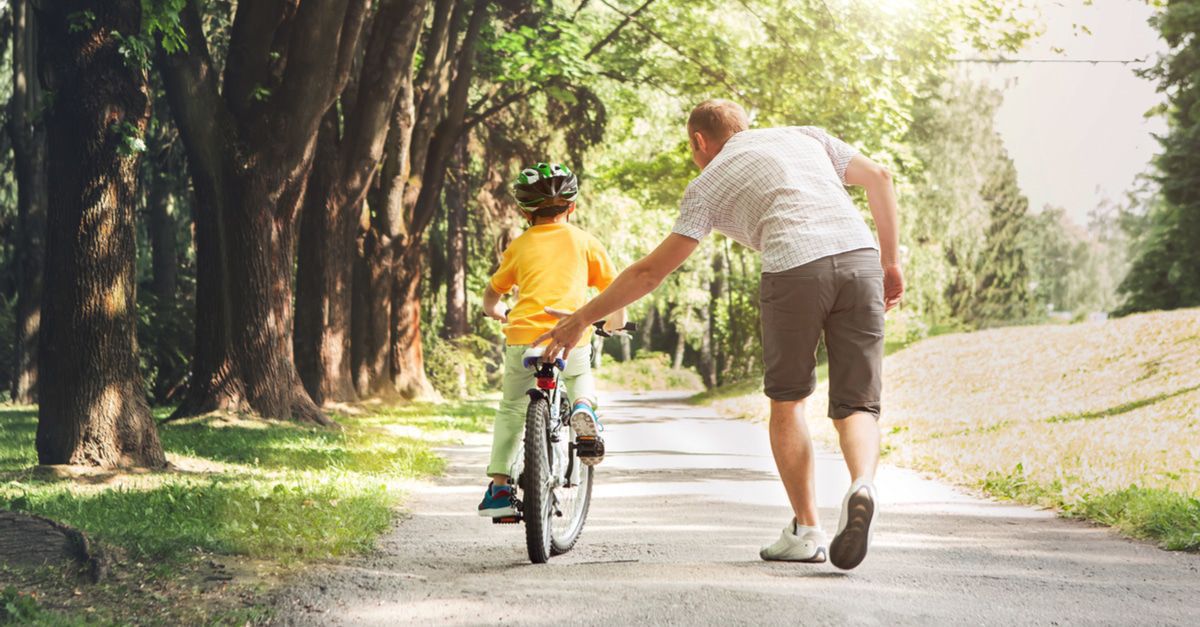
560 544
538 499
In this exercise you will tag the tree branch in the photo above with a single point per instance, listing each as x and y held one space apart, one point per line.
476 118
318 64
204 122
250 39
716 75
387 63
449 130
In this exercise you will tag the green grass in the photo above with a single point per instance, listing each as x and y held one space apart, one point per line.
247 489
1164 516
474 416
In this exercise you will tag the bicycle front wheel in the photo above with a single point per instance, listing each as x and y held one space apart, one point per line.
572 489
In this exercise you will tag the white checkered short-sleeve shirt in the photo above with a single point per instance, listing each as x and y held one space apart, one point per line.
780 191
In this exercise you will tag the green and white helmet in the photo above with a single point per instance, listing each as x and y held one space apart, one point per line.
543 184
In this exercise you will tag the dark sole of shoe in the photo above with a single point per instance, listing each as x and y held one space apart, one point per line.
849 548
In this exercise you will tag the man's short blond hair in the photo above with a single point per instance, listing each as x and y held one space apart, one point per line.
718 119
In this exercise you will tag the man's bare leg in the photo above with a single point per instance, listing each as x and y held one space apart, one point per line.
792 446
859 437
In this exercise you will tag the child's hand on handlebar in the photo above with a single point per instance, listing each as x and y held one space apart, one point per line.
615 331
499 312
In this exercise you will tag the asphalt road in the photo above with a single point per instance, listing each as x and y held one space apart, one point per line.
682 504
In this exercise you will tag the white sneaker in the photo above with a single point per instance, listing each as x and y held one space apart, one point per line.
853 537
807 546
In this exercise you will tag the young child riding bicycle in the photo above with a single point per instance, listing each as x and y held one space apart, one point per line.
552 265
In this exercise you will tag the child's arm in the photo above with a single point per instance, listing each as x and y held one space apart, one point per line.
492 306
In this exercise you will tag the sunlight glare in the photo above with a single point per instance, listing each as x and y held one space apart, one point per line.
895 7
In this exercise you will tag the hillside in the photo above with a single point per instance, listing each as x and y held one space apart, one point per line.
1100 419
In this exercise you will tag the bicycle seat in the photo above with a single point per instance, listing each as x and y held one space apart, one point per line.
534 355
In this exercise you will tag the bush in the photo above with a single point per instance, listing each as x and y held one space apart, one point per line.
462 367
647 371
165 332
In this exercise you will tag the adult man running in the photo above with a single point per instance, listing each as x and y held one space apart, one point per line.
782 191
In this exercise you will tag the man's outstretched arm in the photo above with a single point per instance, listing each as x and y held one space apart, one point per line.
636 281
881 196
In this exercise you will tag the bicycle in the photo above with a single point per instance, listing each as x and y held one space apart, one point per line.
555 489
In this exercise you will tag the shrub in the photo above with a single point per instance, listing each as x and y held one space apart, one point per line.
462 367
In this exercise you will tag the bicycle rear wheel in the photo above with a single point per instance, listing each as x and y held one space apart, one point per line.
536 482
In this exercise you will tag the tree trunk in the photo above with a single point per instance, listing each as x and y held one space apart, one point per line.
164 249
360 315
407 355
250 159
28 134
93 407
457 193
373 368
346 164
324 277
408 362
214 383
680 350
717 290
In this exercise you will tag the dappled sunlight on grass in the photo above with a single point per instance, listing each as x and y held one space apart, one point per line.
245 486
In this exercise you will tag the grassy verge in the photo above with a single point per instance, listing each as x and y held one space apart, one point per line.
1099 420
248 501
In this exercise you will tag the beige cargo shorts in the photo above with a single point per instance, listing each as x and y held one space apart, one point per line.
842 297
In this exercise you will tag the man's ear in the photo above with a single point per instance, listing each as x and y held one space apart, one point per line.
698 141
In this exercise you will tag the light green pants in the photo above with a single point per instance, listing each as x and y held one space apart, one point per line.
510 416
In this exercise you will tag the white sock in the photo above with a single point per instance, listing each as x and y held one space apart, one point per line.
800 530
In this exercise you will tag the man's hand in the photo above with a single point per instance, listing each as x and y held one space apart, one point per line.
563 337
893 286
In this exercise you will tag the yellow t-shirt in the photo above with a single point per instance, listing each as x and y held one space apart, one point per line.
553 265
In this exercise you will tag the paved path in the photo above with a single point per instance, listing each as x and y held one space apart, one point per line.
681 506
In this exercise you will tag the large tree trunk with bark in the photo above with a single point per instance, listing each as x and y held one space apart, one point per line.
407 353
408 359
93 407
28 133
250 142
346 164
324 276
391 360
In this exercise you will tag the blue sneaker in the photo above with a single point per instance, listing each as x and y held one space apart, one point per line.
497 502
589 446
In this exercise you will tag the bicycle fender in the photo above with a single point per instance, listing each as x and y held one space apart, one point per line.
535 394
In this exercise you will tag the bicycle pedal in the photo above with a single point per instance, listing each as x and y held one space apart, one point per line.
589 446
506 520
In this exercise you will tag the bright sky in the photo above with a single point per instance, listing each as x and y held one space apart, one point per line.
1076 131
